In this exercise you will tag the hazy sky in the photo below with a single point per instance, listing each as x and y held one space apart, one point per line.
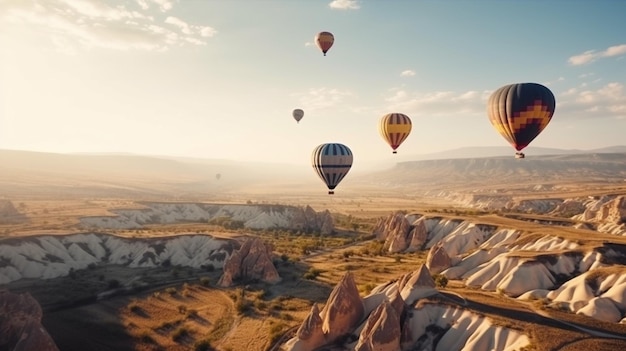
220 78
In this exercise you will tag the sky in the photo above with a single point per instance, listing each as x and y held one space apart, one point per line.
218 79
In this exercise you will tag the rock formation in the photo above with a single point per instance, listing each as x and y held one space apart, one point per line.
8 212
310 332
416 285
397 321
253 216
310 221
252 261
401 232
341 313
608 211
382 330
20 324
343 308
52 256
437 259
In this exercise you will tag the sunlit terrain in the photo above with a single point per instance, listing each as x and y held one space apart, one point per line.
137 260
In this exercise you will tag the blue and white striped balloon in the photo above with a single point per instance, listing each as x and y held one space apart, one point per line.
332 161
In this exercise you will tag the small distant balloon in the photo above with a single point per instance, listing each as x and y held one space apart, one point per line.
519 112
218 176
298 114
331 162
324 41
395 128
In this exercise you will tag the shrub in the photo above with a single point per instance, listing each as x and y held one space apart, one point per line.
192 313
440 280
146 338
180 333
205 281
134 307
203 345
171 291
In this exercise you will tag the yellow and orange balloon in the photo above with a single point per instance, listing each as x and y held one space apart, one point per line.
395 128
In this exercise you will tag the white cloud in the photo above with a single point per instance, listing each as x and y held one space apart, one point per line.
606 101
308 43
582 59
163 5
593 55
345 4
322 98
408 73
617 50
438 103
72 25
188 29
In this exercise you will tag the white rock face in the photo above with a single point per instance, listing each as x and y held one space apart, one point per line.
252 216
460 330
47 257
608 211
488 258
598 293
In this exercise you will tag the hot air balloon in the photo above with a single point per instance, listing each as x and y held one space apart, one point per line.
218 176
519 112
298 114
331 161
324 40
395 128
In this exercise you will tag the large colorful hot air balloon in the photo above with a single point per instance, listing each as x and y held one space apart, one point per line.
324 40
331 161
519 112
395 128
298 114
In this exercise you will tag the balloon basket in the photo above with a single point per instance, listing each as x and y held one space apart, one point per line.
331 192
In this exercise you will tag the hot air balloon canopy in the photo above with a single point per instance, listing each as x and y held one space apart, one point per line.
519 112
297 114
395 128
324 41
331 162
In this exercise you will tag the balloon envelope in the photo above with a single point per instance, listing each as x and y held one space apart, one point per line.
298 114
218 176
395 128
519 112
324 40
331 162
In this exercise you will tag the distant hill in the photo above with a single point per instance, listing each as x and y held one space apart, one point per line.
163 177
494 151
148 177
486 171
